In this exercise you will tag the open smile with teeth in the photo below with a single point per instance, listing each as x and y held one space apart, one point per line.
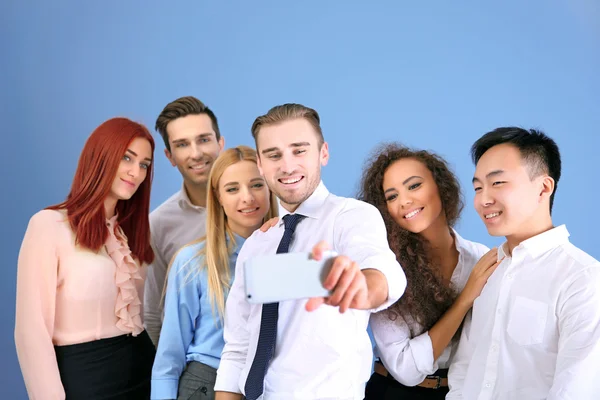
492 215
249 210
200 166
291 180
413 213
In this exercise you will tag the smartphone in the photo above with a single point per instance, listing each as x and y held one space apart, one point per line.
286 276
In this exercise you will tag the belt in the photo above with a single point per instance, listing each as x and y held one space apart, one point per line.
431 382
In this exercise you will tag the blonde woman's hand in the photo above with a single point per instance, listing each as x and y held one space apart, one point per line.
269 224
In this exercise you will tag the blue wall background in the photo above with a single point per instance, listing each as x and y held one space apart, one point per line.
432 74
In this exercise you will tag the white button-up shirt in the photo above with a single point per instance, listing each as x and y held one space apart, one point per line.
173 224
535 329
408 357
321 354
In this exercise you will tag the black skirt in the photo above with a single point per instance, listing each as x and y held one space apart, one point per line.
114 368
382 387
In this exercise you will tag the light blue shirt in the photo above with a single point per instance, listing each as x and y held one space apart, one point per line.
190 330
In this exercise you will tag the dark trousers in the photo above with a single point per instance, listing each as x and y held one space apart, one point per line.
380 387
197 382
117 368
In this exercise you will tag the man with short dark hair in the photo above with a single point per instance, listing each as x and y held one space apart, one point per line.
534 332
317 348
192 143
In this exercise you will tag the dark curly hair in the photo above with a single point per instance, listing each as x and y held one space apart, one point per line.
426 297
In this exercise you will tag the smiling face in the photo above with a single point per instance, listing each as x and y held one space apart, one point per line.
507 199
132 171
290 160
194 147
244 197
411 195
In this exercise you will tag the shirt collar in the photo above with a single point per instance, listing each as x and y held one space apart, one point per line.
459 242
311 207
539 244
239 242
184 200
113 220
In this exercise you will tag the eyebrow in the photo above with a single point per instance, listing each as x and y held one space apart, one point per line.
489 175
403 183
270 149
296 144
237 183
409 179
135 155
202 135
299 144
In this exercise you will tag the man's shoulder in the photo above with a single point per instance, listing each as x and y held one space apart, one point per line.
350 204
172 203
170 221
259 236
578 274
578 259
259 242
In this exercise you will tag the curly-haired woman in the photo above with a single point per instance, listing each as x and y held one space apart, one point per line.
420 200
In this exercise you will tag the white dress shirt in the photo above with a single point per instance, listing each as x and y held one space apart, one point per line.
535 330
321 354
173 224
410 358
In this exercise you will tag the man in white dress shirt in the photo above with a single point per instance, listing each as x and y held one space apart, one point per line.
534 332
321 348
192 142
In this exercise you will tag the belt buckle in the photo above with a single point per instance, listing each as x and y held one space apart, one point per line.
438 379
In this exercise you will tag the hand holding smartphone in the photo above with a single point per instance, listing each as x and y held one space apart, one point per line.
286 276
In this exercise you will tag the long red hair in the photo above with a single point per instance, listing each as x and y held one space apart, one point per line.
96 171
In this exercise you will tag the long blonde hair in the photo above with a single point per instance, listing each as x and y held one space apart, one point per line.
215 252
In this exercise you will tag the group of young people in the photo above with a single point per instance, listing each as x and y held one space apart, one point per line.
115 302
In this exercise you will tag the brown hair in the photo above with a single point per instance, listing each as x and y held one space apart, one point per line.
426 297
182 107
286 112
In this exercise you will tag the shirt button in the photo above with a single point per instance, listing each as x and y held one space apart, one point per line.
494 347
509 276
488 385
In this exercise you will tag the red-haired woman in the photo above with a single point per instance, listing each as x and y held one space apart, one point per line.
78 329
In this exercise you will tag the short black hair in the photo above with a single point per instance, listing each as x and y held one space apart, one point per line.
538 150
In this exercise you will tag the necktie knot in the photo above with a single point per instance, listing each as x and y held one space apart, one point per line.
290 221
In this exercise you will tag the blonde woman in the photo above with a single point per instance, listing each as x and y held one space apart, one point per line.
191 338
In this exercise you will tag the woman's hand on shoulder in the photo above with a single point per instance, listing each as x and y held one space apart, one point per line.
480 274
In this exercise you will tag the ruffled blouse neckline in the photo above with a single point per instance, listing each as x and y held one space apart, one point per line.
128 304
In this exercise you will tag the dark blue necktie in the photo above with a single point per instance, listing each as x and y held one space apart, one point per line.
268 323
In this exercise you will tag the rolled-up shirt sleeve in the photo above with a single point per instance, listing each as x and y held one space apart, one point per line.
409 360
